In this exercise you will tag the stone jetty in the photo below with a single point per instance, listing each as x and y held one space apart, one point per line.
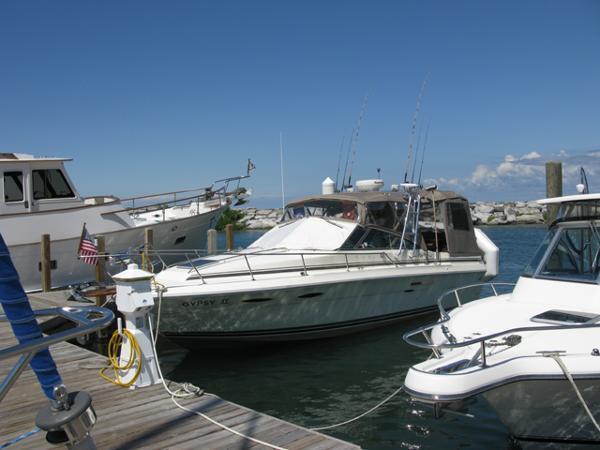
482 213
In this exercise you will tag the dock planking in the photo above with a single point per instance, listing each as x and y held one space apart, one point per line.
143 418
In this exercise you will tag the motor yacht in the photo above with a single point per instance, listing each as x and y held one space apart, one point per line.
336 263
532 352
39 197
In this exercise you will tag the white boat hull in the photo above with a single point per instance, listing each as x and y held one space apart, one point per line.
548 409
186 233
308 309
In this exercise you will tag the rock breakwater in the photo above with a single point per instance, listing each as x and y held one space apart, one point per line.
482 213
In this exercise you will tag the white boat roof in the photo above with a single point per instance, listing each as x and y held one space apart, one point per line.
569 198
24 157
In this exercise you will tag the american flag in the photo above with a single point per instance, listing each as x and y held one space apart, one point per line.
88 253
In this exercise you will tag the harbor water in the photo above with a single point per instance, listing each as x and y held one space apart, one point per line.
318 383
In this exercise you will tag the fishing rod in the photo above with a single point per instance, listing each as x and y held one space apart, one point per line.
414 127
347 160
355 137
416 157
281 164
337 175
424 149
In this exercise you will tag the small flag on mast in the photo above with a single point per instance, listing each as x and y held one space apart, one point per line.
250 167
88 253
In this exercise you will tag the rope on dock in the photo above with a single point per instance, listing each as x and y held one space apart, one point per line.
20 438
188 390
381 403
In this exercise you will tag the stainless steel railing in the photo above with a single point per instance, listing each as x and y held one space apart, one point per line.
86 319
452 343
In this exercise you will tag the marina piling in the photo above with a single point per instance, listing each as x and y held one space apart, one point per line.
211 241
100 267
229 237
148 243
45 263
553 188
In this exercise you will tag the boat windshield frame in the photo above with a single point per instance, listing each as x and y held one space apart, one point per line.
331 209
558 245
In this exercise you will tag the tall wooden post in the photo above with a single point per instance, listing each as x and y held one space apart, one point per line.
45 263
148 244
101 267
211 241
553 188
229 244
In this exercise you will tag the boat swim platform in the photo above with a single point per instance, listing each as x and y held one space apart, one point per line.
143 418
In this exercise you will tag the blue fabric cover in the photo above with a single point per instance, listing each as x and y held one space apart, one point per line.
17 309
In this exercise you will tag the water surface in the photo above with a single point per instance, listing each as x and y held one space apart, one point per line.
318 383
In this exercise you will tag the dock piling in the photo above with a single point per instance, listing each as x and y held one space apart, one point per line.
148 243
553 188
45 264
229 235
211 241
101 267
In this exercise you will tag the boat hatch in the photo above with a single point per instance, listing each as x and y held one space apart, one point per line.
557 316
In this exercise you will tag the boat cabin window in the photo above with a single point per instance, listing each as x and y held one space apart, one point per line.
385 214
371 238
457 216
334 209
575 255
13 186
50 183
587 209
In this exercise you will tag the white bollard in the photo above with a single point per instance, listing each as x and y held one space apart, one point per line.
135 301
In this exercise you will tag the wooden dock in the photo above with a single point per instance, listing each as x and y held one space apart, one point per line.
143 418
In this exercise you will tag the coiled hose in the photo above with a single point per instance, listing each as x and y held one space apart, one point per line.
114 350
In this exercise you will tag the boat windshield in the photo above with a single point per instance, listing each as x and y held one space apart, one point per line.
574 255
588 209
333 209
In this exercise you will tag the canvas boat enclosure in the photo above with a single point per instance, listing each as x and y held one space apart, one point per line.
440 220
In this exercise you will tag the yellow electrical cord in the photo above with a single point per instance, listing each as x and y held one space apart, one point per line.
114 347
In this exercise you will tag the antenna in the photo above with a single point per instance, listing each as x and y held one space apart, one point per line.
281 161
414 127
355 137
424 148
337 175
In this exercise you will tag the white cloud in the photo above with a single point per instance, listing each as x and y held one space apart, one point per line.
531 155
483 174
520 175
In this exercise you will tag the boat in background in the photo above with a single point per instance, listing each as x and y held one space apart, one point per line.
39 197
532 353
337 263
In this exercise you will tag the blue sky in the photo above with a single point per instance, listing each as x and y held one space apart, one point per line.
157 96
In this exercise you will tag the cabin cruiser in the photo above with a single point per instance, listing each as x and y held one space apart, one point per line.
39 197
336 263
531 353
